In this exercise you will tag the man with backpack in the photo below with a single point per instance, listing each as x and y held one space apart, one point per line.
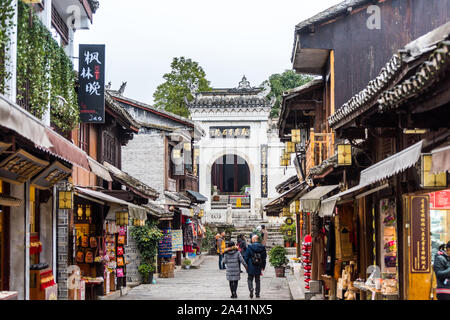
255 257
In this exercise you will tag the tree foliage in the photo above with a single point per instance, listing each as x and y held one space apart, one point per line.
279 83
186 75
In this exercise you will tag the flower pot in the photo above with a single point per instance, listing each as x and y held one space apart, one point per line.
287 244
279 272
148 279
187 267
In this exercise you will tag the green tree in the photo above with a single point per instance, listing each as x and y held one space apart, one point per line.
279 83
186 75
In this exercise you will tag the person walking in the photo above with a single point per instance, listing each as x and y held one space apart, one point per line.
233 260
442 269
255 257
220 249
264 235
241 244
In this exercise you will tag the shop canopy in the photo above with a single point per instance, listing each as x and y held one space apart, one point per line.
440 160
286 197
135 211
376 173
197 196
25 124
177 199
310 202
9 201
99 170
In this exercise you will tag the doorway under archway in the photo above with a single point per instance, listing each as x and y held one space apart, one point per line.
230 174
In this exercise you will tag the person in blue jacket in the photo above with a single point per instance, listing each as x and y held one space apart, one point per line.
255 257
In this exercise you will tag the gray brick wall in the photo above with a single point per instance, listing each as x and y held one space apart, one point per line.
132 257
143 158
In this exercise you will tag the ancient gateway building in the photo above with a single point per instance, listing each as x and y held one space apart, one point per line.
239 158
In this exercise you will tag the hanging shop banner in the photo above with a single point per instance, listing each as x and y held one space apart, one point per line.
440 200
264 150
229 132
91 75
420 234
51 175
20 166
177 240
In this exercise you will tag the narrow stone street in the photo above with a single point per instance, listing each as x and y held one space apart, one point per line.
208 283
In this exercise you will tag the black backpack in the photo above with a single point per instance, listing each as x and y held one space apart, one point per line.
257 259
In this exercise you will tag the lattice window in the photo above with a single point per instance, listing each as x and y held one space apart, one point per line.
109 148
83 137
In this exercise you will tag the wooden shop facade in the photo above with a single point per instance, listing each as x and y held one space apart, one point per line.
373 164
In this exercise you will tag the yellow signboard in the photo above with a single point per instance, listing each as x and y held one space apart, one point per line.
239 202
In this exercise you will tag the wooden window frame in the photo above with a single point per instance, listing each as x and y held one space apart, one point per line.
83 137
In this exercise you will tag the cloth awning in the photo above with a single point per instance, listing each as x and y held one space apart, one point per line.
327 207
392 165
286 197
198 196
9 201
310 202
19 120
25 124
99 170
135 211
440 160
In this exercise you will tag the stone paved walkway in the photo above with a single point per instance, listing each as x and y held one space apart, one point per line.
208 283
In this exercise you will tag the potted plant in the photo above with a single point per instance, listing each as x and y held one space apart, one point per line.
146 271
287 242
278 259
187 264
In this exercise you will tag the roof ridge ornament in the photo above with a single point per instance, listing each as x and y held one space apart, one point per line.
244 84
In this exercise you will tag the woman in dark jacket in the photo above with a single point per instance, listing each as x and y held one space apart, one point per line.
442 269
232 260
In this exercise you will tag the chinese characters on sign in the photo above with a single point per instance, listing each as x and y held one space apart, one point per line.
264 171
420 234
229 132
91 94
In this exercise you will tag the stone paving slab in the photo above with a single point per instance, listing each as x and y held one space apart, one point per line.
208 283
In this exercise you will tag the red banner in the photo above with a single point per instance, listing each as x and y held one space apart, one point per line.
440 200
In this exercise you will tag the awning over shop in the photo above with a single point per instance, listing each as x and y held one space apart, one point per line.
440 160
286 197
392 165
99 170
327 207
310 202
135 211
19 120
10 201
25 124
198 196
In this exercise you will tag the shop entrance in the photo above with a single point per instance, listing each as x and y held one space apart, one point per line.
2 250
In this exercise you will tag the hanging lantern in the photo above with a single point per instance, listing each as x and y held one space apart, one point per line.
176 153
284 162
187 146
286 211
122 218
428 179
290 147
88 211
344 154
65 199
201 214
296 136
286 155
80 212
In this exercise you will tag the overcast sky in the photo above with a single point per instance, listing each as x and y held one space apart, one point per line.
227 38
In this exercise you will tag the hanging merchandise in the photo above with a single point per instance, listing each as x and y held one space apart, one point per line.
120 262
93 242
85 241
89 258
120 251
188 237
306 261
121 239
80 256
119 273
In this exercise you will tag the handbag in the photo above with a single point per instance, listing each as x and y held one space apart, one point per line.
80 256
89 258
93 242
84 241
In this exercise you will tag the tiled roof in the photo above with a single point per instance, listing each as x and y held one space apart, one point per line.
244 96
385 90
115 106
131 182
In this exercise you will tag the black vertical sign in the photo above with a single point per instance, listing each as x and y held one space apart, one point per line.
91 75
264 150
